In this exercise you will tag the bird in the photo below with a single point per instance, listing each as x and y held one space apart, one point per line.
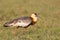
23 22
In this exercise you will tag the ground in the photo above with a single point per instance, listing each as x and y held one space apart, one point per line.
47 26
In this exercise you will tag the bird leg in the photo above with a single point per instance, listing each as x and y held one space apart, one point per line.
24 29
16 30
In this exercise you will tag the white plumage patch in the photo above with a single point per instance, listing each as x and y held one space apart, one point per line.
22 24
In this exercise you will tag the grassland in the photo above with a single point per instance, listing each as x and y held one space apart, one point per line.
47 27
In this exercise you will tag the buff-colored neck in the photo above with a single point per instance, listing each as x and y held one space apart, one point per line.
33 16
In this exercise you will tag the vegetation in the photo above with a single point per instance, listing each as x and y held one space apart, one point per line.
47 27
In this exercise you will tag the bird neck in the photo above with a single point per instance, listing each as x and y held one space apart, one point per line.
34 19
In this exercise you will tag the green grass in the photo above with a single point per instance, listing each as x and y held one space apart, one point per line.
47 28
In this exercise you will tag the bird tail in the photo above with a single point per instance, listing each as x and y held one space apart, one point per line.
7 24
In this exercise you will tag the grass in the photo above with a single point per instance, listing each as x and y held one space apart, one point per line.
47 28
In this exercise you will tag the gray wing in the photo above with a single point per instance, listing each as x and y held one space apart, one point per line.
22 21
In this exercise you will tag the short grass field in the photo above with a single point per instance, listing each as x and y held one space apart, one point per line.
47 26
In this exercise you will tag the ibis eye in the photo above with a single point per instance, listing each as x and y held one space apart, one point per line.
36 14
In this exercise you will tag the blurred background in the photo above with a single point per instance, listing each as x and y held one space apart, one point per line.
47 27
